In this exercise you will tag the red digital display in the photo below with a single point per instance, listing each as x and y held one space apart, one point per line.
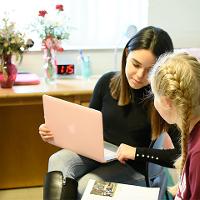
65 69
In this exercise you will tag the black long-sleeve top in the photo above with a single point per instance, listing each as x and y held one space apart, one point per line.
131 125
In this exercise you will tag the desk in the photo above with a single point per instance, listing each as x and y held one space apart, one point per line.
23 154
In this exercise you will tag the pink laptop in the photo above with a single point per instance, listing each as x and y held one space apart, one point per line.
77 128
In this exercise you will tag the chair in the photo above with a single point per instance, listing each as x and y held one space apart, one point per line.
155 174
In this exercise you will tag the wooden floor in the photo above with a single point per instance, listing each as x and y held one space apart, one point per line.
22 194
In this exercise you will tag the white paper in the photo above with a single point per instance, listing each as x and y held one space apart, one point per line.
123 192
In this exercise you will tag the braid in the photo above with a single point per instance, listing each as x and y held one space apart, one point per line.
185 124
182 99
177 76
186 109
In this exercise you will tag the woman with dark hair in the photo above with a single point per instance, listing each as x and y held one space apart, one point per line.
127 116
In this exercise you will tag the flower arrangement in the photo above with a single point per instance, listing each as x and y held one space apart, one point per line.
12 42
52 29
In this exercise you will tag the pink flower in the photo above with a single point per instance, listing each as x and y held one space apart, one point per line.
42 13
52 43
48 43
59 7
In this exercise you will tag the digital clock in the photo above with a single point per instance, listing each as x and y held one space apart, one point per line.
67 69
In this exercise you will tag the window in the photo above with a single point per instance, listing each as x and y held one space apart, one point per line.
97 23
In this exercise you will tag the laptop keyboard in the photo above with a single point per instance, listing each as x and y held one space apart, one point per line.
109 154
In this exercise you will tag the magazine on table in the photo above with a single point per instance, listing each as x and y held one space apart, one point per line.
101 190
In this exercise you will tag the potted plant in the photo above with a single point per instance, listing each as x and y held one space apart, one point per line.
12 44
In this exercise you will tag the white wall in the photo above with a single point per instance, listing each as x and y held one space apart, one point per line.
101 60
180 18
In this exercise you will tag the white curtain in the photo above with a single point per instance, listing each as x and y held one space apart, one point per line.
96 23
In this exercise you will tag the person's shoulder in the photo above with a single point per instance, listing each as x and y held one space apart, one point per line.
102 85
107 76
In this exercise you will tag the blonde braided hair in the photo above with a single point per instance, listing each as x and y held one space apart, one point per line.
177 76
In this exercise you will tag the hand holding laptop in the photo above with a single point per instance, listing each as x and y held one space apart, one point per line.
67 126
124 151
45 133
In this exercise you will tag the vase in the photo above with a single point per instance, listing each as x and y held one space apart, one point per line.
9 73
50 66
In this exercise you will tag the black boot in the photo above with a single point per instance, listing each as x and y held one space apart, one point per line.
53 185
69 191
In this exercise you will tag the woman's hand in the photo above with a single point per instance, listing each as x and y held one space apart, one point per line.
45 133
125 152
